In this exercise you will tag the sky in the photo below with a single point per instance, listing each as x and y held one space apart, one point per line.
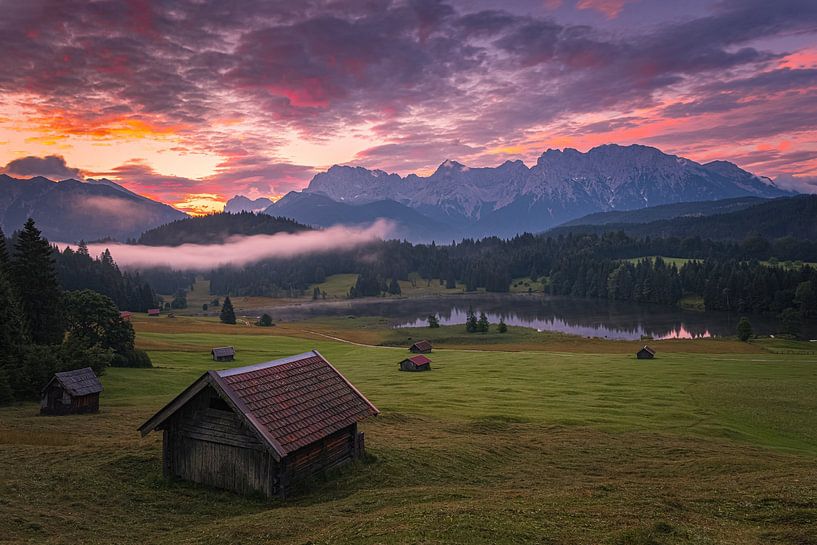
192 102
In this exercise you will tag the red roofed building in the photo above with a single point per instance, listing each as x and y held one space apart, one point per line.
264 427
153 312
416 363
421 347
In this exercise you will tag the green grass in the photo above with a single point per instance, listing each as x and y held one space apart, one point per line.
336 286
526 285
550 446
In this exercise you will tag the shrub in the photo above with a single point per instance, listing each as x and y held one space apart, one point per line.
744 329
136 358
265 320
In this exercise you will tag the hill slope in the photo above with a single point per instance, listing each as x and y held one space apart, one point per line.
667 211
216 228
71 210
320 210
788 217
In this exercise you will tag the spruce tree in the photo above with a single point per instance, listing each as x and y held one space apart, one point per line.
483 324
471 325
227 315
34 279
744 329
4 254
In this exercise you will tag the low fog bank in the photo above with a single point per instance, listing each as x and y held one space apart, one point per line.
241 250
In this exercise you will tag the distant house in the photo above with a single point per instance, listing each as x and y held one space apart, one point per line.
71 392
224 353
646 353
154 312
421 347
416 363
125 315
262 428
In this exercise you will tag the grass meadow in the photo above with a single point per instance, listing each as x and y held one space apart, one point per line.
563 443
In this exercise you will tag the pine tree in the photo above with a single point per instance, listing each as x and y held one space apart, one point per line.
471 325
433 323
744 329
35 281
483 324
502 327
227 315
4 254
394 286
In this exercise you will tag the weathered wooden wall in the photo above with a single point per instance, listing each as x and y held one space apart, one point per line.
213 447
204 443
56 401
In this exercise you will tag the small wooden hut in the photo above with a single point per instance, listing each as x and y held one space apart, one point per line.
421 347
71 392
646 353
262 428
223 353
416 363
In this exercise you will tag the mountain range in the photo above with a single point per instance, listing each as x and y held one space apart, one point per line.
71 210
454 202
460 201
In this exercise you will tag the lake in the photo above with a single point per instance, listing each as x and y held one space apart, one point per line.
585 317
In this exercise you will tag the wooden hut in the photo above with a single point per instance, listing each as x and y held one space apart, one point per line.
646 353
416 363
262 428
224 353
71 392
421 347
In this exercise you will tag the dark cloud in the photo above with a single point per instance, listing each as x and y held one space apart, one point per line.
434 78
51 166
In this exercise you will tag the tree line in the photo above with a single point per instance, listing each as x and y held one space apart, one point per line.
726 275
46 329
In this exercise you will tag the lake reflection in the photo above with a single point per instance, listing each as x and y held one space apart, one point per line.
584 317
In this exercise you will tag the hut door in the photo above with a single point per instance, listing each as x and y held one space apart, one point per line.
55 397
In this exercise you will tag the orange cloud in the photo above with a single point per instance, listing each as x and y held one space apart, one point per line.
103 127
199 204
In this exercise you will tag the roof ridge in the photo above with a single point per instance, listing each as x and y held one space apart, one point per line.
264 365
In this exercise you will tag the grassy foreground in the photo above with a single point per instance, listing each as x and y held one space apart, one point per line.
553 446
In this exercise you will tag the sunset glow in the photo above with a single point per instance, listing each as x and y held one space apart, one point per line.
192 103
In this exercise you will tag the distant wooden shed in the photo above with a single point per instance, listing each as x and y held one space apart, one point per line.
71 392
646 353
421 347
223 353
416 363
262 428
154 312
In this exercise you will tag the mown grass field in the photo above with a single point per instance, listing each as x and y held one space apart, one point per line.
552 446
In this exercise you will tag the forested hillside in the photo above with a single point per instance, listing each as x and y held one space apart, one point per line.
216 228
728 276
794 217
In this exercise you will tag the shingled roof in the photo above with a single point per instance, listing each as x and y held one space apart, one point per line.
289 403
79 382
419 360
422 346
223 351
